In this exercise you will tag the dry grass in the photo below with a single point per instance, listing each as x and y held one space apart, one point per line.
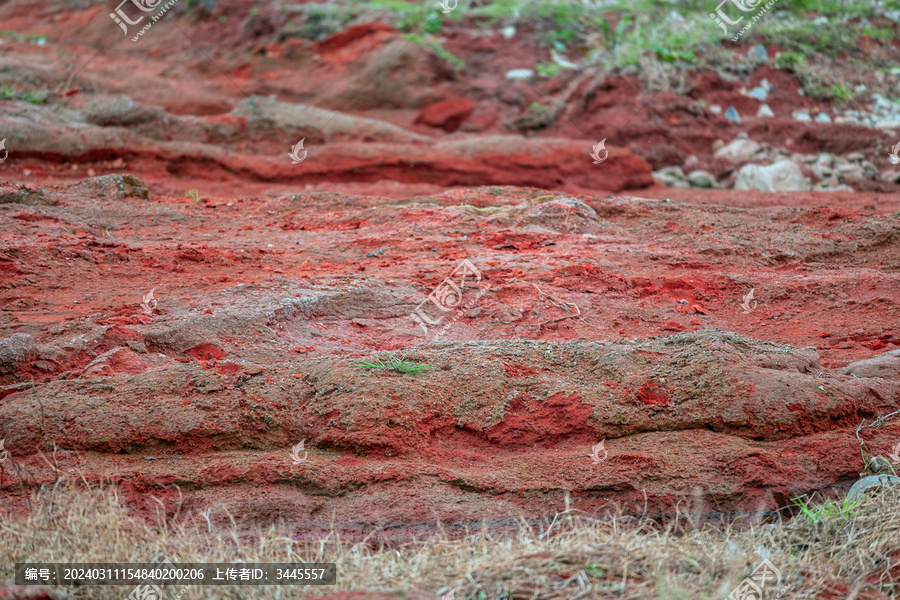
572 557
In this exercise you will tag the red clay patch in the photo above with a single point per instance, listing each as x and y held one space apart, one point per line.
530 421
206 351
652 394
516 371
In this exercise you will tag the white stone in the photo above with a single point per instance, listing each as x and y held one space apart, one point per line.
758 93
891 175
764 111
783 176
670 177
739 151
701 179
519 74
873 481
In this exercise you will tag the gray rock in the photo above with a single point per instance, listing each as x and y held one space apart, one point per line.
23 194
117 186
892 175
764 84
886 365
824 159
849 170
758 54
823 165
715 109
732 115
856 157
739 151
758 93
802 115
783 176
673 171
15 350
670 177
119 111
883 103
823 118
834 188
764 111
869 483
701 179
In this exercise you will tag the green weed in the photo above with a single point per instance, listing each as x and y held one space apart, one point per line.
194 195
548 69
673 55
434 44
830 510
397 364
789 61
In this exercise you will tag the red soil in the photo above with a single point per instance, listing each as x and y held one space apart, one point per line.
607 308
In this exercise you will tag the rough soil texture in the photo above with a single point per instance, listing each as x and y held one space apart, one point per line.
608 307
265 306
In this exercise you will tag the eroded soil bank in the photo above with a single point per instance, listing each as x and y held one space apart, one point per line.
183 302
596 318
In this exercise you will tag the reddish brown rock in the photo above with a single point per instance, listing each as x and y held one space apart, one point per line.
447 115
112 362
348 36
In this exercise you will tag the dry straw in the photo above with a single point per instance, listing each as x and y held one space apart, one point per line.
821 553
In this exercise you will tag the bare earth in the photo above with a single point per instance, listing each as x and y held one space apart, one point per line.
605 306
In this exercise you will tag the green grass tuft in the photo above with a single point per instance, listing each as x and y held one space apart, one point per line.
830 510
194 195
397 364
